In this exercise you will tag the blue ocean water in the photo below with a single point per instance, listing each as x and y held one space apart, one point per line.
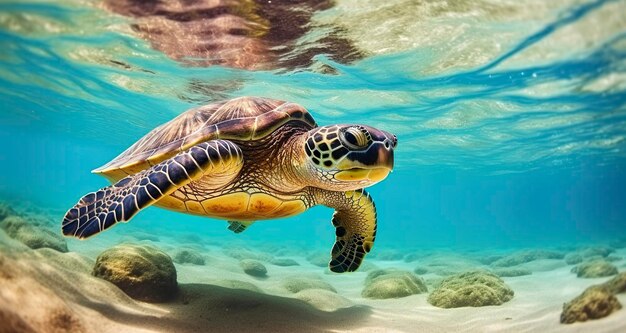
511 120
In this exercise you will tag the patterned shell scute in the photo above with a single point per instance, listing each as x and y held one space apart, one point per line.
244 119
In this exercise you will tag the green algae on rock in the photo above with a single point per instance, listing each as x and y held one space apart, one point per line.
143 272
594 269
616 285
391 283
594 303
477 288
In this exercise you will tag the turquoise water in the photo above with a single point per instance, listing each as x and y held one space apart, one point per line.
511 118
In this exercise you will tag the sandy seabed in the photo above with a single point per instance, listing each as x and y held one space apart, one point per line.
44 290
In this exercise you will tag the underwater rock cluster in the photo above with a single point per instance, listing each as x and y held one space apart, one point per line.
594 269
391 283
143 272
595 302
589 254
477 288
31 230
526 256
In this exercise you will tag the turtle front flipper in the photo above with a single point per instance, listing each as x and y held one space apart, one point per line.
119 202
355 223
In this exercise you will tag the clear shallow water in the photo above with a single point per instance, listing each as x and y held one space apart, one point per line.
511 117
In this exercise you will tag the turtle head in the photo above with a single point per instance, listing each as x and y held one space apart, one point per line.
349 157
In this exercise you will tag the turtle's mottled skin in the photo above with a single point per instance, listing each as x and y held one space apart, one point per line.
245 160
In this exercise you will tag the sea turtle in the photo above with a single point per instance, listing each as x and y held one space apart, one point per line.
244 160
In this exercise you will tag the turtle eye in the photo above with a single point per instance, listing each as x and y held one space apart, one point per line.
354 138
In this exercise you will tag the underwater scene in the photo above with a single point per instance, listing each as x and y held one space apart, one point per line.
312 166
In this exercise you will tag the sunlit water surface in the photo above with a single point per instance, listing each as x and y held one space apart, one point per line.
511 115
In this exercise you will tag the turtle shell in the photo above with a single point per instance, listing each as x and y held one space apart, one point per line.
243 119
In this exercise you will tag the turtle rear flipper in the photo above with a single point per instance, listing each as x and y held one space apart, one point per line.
238 226
355 227
119 202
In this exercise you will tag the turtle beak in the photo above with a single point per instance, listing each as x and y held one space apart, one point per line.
385 155
378 156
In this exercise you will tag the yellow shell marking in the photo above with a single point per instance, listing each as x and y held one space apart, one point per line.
238 206
376 174
227 205
289 208
263 204
195 207
172 203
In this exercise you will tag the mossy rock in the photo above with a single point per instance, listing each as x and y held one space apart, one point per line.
595 269
12 223
253 268
526 256
573 258
612 258
477 288
142 271
616 285
594 303
5 211
596 251
33 236
188 256
296 284
383 284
